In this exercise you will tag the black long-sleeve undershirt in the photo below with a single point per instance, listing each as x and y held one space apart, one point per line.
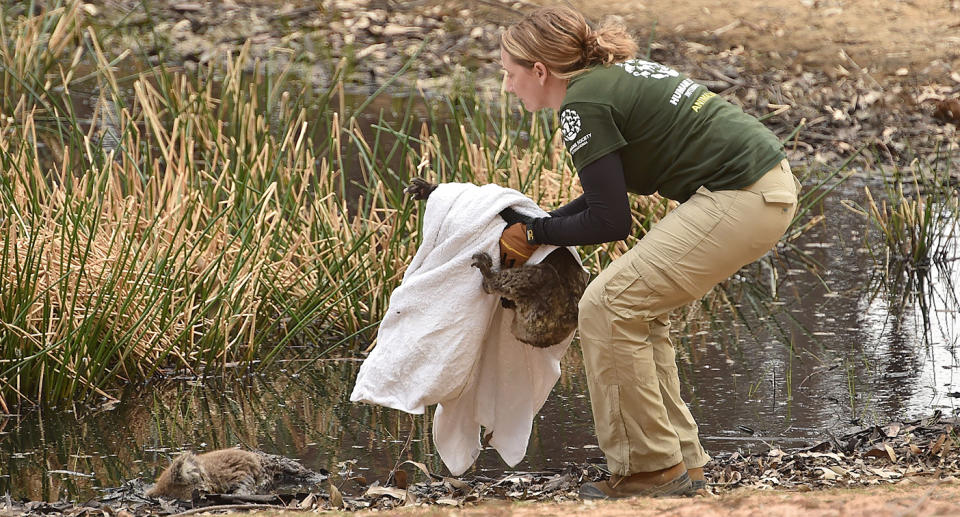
601 214
573 207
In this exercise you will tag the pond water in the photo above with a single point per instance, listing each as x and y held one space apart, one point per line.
828 354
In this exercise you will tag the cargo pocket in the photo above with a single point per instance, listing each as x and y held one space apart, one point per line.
782 199
616 292
779 197
638 291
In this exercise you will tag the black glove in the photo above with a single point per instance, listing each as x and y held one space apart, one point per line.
511 216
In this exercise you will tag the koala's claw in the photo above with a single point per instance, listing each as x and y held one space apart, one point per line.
482 261
419 188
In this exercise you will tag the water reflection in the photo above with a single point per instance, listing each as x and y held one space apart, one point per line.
779 357
853 353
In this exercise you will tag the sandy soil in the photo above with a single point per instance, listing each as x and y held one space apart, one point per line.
903 499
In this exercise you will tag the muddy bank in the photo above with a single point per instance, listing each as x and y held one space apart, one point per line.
362 42
916 452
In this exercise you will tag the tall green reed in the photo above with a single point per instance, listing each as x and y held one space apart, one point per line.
210 232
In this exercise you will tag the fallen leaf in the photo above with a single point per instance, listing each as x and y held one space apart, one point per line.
398 30
336 498
377 491
730 478
886 474
834 456
188 6
882 451
423 468
839 470
515 478
938 445
400 479
457 484
370 50
557 481
890 453
307 502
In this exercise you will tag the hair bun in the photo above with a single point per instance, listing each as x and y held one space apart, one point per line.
561 38
589 46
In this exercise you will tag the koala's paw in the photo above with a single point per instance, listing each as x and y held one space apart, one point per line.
482 261
419 188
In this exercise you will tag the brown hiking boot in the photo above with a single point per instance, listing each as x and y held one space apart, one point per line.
672 481
697 481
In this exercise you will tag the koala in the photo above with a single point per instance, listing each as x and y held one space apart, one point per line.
545 296
227 471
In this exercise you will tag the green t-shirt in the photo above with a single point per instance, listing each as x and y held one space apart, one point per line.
673 134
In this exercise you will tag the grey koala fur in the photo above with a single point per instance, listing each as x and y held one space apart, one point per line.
545 295
227 471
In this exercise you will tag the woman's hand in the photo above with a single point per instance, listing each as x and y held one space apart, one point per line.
515 247
511 216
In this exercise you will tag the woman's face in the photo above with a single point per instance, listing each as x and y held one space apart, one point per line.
526 83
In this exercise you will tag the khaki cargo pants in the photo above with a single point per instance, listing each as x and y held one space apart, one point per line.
642 423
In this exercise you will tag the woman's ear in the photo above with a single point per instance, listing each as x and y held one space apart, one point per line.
542 73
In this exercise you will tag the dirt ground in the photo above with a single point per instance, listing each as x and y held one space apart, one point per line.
903 499
902 38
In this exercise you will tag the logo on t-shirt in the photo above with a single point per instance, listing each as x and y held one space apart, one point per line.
641 68
569 124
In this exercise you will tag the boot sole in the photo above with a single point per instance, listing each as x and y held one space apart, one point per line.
679 486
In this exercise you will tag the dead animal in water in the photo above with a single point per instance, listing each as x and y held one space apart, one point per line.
228 471
545 295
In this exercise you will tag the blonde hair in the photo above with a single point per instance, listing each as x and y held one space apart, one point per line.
561 39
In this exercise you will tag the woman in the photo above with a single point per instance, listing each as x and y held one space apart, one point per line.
637 126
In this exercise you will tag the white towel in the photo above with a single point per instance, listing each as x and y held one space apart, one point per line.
445 341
